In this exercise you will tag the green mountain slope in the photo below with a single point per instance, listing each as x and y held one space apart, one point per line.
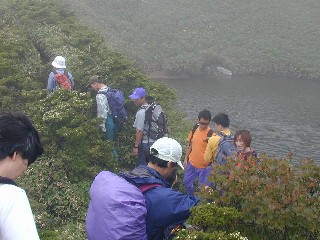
276 36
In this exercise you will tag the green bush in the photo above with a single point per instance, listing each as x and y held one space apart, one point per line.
275 197
32 33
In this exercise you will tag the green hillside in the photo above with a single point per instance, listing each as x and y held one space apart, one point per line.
273 200
250 36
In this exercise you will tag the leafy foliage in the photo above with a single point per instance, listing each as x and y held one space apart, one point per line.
32 33
275 197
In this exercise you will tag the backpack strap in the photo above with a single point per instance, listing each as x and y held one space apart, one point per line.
66 73
148 119
145 187
5 180
209 134
194 128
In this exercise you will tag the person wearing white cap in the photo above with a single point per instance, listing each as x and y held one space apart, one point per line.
59 63
163 160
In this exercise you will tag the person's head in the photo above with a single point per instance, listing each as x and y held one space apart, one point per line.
222 121
95 83
165 155
19 144
204 118
138 96
242 139
59 62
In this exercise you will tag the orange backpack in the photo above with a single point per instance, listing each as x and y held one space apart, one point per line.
62 80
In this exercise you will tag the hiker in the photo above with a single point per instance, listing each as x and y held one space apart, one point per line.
142 142
220 145
196 166
166 208
19 148
108 126
60 77
242 139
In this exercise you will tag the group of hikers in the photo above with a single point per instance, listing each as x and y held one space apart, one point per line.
138 204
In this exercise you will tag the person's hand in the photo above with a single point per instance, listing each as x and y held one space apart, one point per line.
135 151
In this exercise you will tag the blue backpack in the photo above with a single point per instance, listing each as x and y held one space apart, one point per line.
225 148
116 103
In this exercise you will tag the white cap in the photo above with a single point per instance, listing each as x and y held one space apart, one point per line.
168 150
59 62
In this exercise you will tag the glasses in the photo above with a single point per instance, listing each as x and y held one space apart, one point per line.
204 123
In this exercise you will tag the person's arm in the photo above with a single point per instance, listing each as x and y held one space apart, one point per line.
188 150
139 125
139 134
175 207
71 80
50 85
102 109
211 149
18 223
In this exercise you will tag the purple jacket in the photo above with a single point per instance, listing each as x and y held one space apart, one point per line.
117 209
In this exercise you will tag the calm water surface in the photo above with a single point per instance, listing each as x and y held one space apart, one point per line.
282 113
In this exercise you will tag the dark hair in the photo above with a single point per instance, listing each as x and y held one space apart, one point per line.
94 79
17 134
205 114
157 161
222 119
245 136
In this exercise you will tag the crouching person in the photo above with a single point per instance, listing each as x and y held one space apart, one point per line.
140 204
166 208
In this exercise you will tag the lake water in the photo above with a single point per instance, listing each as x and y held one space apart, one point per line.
281 113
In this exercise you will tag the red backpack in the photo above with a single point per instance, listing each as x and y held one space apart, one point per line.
62 80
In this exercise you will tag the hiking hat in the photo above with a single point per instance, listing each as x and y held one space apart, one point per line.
94 79
222 119
59 62
138 93
167 149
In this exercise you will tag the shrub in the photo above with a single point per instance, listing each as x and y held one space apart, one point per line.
275 197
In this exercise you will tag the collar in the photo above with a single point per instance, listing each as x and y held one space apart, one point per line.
5 180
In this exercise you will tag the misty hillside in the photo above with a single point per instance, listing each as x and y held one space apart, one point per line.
275 36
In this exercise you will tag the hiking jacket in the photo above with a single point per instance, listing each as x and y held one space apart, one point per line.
173 204
52 83
103 108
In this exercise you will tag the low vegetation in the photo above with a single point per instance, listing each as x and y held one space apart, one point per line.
32 34
274 198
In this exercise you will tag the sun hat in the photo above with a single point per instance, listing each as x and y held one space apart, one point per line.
138 93
167 149
59 62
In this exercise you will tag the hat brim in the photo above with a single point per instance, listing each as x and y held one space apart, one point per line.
180 164
134 97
